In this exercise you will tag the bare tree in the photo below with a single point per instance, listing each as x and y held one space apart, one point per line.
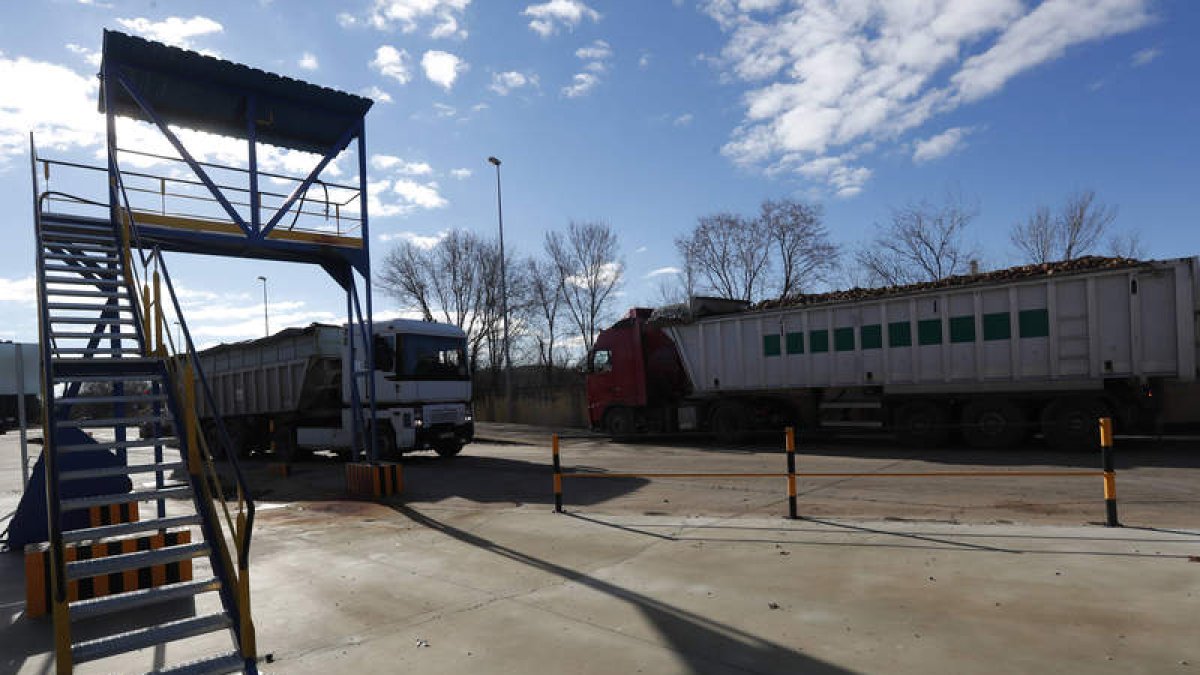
588 269
1126 245
805 253
405 276
546 298
922 243
730 253
1075 231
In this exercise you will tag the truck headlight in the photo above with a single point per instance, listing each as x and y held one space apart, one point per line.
417 421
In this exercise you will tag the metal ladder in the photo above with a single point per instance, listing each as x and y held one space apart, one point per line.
93 335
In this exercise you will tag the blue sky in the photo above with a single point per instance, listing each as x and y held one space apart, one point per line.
650 114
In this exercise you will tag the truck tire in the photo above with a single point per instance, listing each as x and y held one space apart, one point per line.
728 422
618 422
993 423
285 445
923 424
1073 423
386 443
448 449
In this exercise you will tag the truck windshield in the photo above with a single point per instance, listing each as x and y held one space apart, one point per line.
430 357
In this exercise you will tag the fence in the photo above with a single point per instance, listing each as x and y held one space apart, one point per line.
1107 472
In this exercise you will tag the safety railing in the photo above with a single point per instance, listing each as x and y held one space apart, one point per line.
1107 473
324 208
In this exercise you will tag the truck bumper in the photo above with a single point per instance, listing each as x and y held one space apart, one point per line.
428 437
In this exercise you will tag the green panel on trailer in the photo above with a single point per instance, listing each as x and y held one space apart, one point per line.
1033 323
795 343
871 336
771 345
900 334
962 329
818 341
997 326
843 339
929 332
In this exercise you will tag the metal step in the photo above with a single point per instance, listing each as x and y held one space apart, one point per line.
126 497
111 422
231 662
110 281
148 637
137 398
60 223
85 351
82 569
850 424
124 529
115 445
83 269
83 306
79 246
89 336
79 257
107 295
53 238
105 472
85 609
137 368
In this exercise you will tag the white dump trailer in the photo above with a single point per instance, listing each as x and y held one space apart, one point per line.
998 356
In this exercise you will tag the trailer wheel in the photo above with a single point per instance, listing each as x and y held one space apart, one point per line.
993 423
448 449
386 439
1073 423
286 447
728 422
618 422
923 424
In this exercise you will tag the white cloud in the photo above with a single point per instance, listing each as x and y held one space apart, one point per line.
547 18
20 291
662 271
507 81
173 30
606 274
400 166
308 61
597 51
393 63
377 94
683 120
92 56
347 20
1140 58
443 110
595 56
420 195
62 115
641 249
644 61
936 147
442 16
829 82
461 174
442 68
421 241
581 85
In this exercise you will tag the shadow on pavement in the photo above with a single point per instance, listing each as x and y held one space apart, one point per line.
703 644
889 538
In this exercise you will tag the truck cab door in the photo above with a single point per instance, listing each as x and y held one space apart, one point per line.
616 376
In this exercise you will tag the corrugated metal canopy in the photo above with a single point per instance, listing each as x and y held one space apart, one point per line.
210 94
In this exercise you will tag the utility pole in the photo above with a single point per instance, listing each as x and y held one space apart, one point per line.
508 390
266 325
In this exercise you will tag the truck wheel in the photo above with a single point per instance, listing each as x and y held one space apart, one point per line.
1073 423
923 424
993 423
728 422
285 445
386 443
447 450
618 422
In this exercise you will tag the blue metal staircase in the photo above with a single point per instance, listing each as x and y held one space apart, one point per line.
97 333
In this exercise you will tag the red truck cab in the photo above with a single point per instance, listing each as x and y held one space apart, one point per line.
635 377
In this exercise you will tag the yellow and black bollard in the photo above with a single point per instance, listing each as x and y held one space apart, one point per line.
1110 474
791 470
557 475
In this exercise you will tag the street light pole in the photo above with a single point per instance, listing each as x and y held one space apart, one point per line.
508 391
266 325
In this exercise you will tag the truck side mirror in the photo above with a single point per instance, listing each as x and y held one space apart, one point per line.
385 359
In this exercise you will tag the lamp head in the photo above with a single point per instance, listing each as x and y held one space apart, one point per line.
494 161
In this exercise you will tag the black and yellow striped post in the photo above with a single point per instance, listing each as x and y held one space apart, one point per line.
791 472
557 475
1110 474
